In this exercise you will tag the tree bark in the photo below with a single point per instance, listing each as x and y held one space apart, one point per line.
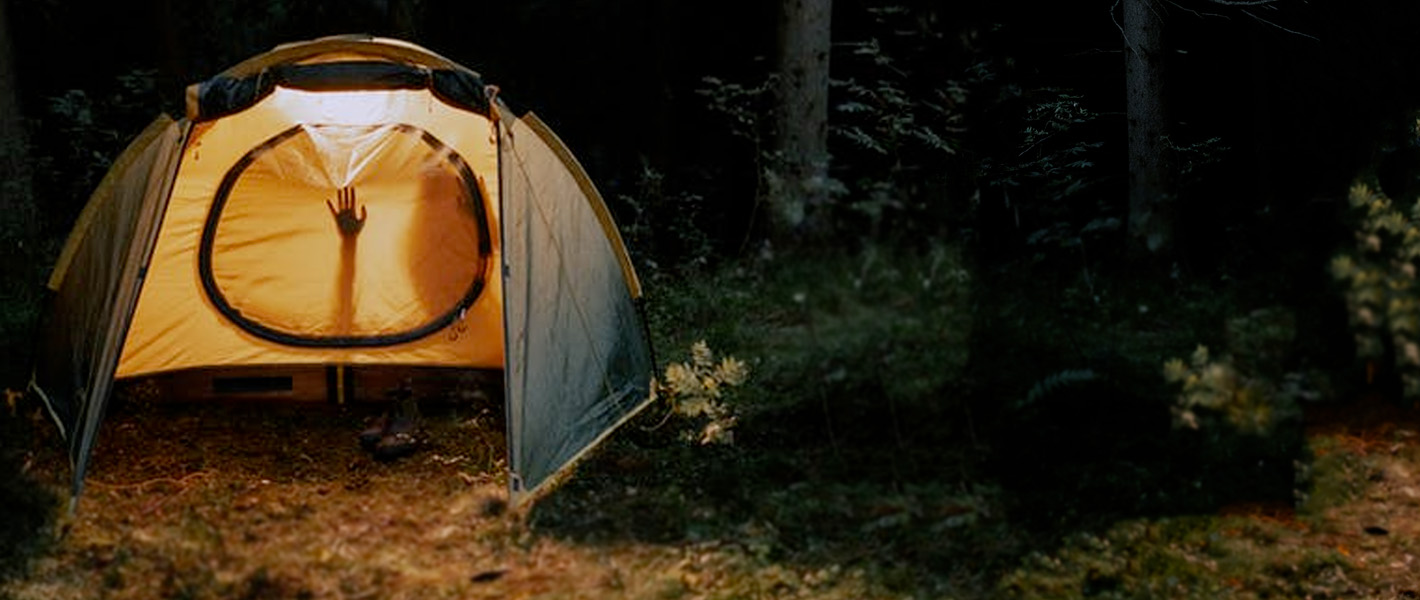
1151 177
799 187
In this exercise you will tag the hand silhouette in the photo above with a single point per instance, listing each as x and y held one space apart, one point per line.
344 212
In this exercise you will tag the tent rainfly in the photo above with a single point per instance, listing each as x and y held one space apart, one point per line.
347 203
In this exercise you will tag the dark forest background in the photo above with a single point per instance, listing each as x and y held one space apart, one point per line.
969 263
1295 116
997 128
1281 122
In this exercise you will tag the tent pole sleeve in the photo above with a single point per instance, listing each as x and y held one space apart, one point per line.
510 433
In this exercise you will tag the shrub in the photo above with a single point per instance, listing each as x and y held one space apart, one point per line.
1214 391
696 389
1382 297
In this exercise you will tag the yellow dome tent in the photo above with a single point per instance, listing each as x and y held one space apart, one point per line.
344 203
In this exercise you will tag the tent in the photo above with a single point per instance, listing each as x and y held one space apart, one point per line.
348 203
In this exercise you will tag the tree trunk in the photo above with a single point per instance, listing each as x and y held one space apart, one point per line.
799 187
1151 177
18 221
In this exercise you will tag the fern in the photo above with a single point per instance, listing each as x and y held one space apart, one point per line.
1056 381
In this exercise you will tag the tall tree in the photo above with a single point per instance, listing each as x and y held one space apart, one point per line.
800 186
1153 164
1151 172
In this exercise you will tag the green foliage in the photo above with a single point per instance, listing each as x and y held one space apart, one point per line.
664 229
1048 176
848 347
1186 557
1215 391
1335 477
851 443
696 390
1382 297
1054 159
1193 158
746 109
879 325
897 137
1246 405
1055 382
92 126
1066 372
742 106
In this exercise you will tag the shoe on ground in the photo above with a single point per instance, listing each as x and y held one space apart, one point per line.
396 445
370 437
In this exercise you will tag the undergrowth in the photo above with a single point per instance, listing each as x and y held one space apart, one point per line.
1065 368
29 507
851 446
1182 557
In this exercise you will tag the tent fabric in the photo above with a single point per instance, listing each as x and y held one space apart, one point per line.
95 284
427 195
573 330
173 328
221 96
352 201
339 49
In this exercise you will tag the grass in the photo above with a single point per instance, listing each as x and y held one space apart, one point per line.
887 446
1350 535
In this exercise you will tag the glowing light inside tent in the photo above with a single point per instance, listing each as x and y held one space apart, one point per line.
356 107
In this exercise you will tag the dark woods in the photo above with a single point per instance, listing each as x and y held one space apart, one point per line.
1004 123
977 253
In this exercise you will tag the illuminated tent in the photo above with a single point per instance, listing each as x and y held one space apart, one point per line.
334 206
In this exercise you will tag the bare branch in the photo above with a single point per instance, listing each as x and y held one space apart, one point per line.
1198 14
1266 22
1154 8
1243 2
1129 44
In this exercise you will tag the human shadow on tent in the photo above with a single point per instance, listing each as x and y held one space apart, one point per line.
343 210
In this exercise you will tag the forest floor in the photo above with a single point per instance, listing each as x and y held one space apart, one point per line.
263 502
861 467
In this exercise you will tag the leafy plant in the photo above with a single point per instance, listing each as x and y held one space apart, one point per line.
897 138
1213 390
696 389
1382 297
664 228
1050 168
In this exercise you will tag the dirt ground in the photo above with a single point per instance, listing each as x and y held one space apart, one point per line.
279 501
